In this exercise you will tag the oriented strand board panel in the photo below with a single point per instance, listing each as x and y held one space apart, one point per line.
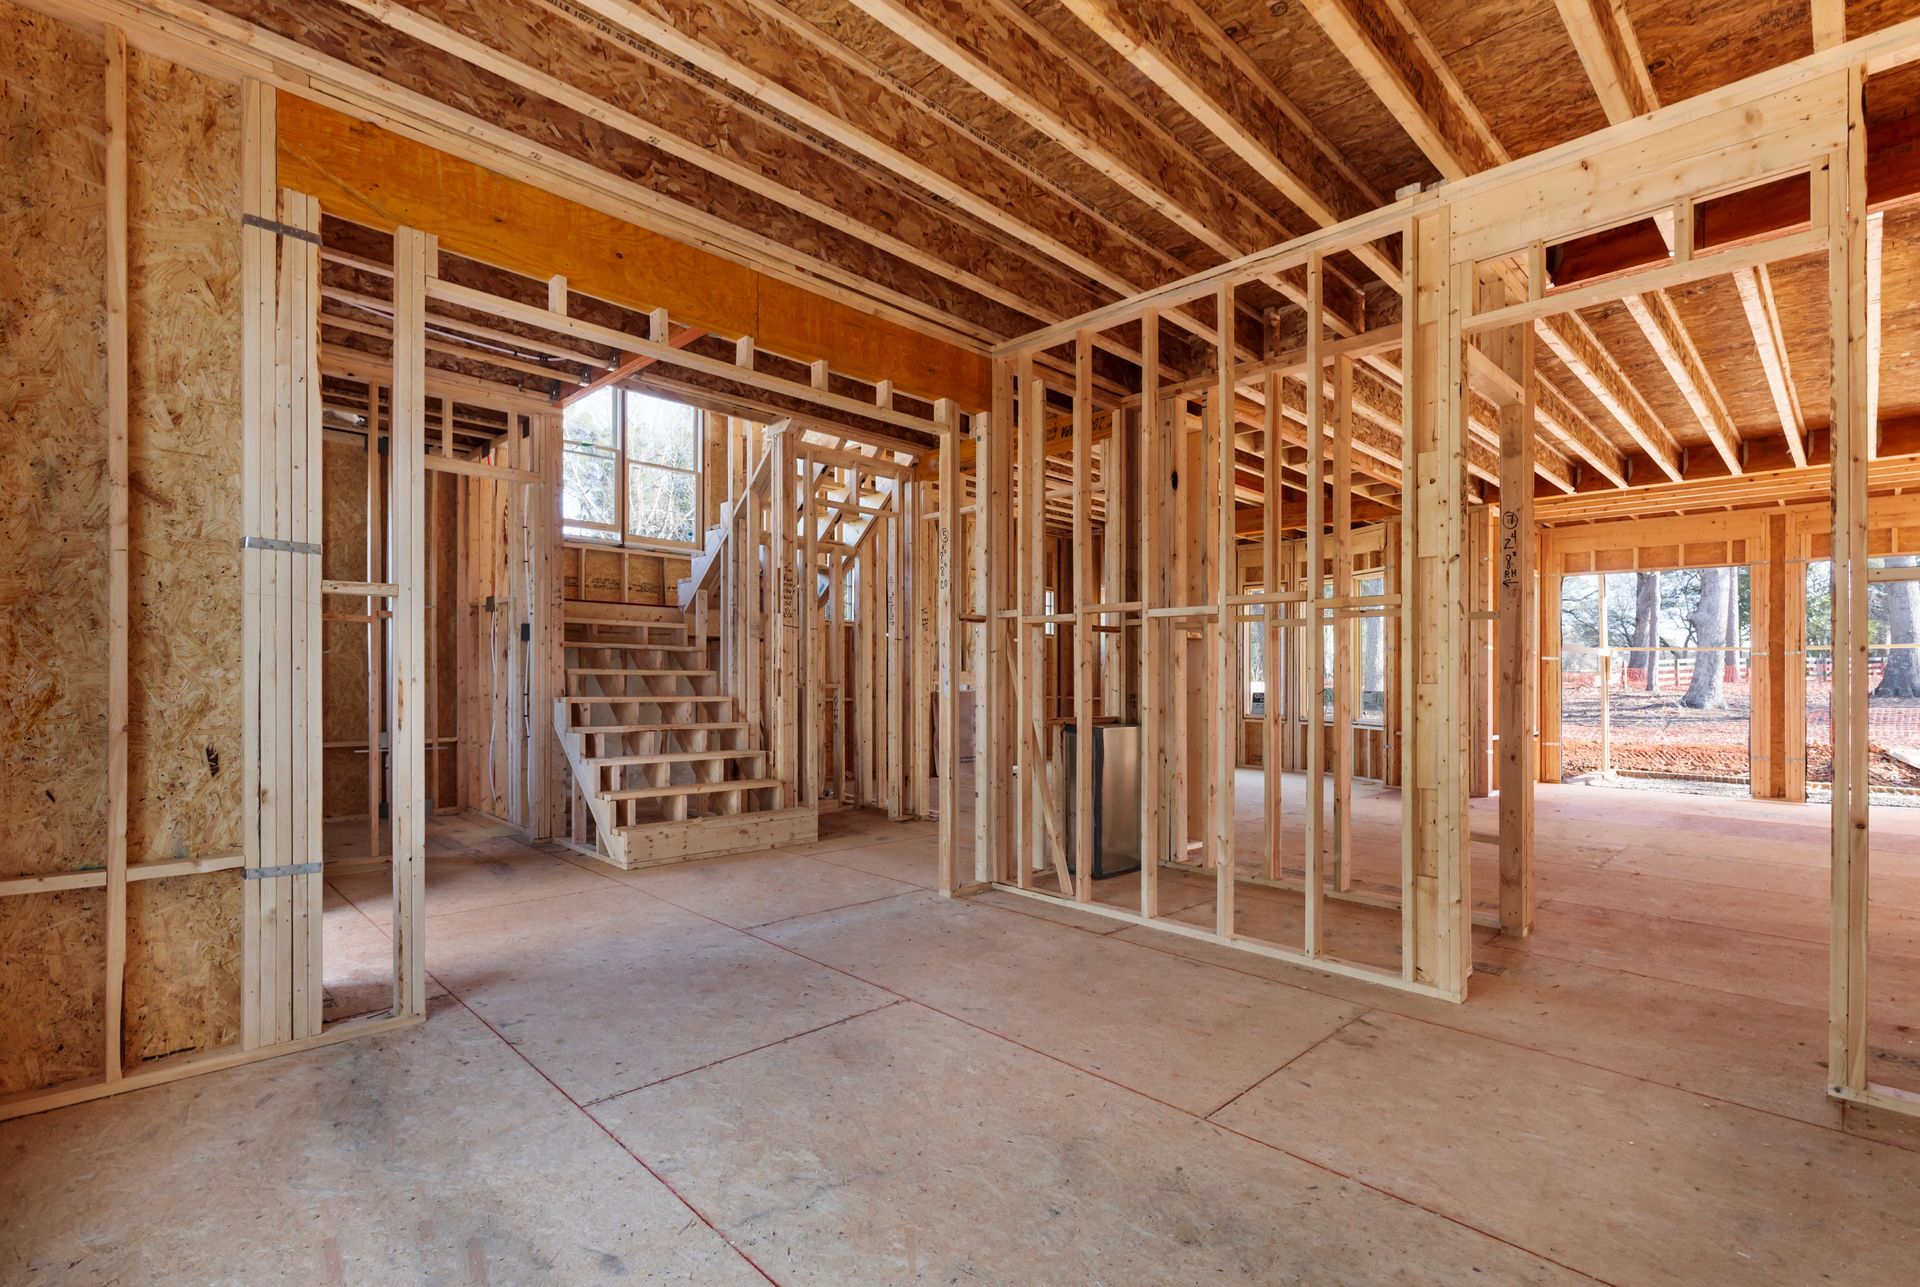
53 380
184 455
53 970
343 681
444 626
184 462
53 547
183 964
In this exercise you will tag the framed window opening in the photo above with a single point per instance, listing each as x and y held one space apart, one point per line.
631 470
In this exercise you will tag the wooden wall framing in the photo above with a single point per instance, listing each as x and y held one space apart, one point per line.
208 681
1472 258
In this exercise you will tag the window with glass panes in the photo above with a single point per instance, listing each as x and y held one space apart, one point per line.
632 469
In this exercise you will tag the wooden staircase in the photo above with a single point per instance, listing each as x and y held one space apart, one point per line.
666 767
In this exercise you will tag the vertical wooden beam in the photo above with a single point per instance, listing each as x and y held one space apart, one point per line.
1481 542
548 654
1031 576
117 569
1792 688
1605 670
415 259
1273 731
1002 728
948 639
1343 624
258 264
1314 615
1084 622
897 707
1153 506
987 748
807 605
783 710
1519 672
376 631
1846 188
1225 663
1766 576
1436 943
302 214
1186 463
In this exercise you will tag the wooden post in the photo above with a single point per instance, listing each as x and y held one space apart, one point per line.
999 734
896 708
1314 616
1223 665
117 569
1436 948
1343 623
1153 518
1482 540
1084 621
1519 670
784 711
1029 643
948 627
548 659
1272 579
1791 689
376 629
1847 296
416 255
1603 676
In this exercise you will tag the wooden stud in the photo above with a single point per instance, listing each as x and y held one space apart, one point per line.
1344 660
1313 854
1519 673
1847 1053
1084 621
117 569
1153 631
946 689
415 258
1224 658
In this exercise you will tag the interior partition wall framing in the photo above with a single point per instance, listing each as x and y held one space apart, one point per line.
1470 262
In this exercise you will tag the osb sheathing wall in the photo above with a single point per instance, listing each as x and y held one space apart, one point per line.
343 684
182 978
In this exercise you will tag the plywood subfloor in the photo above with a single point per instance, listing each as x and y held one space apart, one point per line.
807 1066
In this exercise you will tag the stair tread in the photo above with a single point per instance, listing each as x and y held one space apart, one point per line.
642 671
655 728
649 699
603 619
690 788
628 645
673 757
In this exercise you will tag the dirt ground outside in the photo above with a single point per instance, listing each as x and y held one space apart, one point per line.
1653 733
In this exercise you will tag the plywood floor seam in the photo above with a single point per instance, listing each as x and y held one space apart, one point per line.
833 1075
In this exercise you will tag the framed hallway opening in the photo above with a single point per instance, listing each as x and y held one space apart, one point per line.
1484 270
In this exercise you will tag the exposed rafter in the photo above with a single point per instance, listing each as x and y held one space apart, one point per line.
1577 347
1610 52
1661 325
1391 52
743 148
1829 23
1001 53
1200 68
1603 37
997 50
773 60
1763 319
